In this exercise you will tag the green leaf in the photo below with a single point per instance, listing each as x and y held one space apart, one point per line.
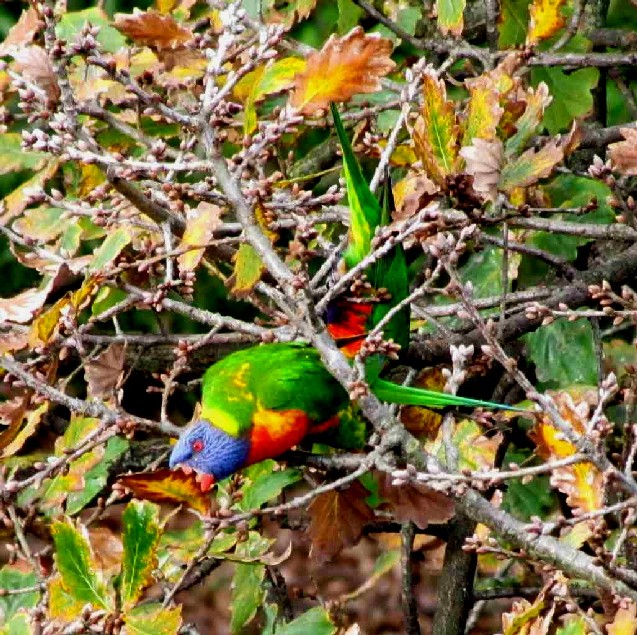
140 538
576 626
13 579
265 484
19 624
449 14
110 248
572 95
525 500
77 566
72 23
248 268
563 353
316 621
106 298
95 479
14 159
514 19
153 619
484 270
349 14
42 223
247 594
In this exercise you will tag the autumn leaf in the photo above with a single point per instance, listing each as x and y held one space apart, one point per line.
529 122
33 63
104 372
483 161
167 486
625 621
450 19
412 193
248 269
416 502
337 519
200 225
22 32
546 19
20 308
583 483
153 29
436 130
344 67
531 166
483 111
623 154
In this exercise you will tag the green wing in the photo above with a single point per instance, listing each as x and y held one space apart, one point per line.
284 376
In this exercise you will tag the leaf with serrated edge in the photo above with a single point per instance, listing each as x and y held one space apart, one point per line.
436 130
337 519
344 67
546 20
167 486
153 619
76 564
140 537
483 161
450 19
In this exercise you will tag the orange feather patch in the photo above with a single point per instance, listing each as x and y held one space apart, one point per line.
274 432
347 323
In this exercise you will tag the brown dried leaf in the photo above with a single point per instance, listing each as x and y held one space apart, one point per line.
344 67
153 29
412 194
337 519
33 63
623 154
12 439
416 502
20 308
167 486
22 32
108 549
104 372
483 161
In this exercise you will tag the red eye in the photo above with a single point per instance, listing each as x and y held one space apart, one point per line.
197 445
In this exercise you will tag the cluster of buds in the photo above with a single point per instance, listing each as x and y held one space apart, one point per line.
601 170
375 344
41 141
86 41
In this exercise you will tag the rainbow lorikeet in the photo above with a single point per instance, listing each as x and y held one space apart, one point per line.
261 401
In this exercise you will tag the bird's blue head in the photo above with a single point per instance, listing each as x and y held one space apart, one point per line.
209 451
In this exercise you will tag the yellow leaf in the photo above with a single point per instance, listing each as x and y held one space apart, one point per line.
625 622
546 19
62 605
248 269
200 225
16 202
483 110
344 67
436 131
33 419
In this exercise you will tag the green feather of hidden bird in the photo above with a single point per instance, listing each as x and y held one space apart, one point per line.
260 402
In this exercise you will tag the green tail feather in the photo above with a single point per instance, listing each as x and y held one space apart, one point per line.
409 396
365 212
